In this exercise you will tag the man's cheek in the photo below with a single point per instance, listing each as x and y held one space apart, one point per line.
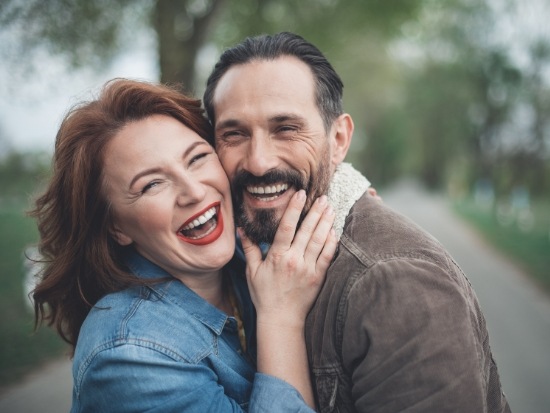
225 160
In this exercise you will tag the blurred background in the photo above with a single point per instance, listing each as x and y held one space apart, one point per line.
450 97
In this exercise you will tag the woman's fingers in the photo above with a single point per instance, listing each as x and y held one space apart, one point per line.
286 283
372 192
329 249
287 227
321 223
314 229
309 240
251 251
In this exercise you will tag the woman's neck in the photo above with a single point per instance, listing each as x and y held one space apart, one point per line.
212 288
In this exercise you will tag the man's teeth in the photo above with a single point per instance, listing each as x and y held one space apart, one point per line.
270 189
201 220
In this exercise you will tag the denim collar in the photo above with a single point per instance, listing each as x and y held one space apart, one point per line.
176 292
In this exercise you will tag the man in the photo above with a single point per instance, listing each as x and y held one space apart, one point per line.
396 326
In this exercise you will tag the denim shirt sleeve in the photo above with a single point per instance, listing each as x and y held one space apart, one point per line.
274 395
136 378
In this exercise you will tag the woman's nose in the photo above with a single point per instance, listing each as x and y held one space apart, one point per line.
190 191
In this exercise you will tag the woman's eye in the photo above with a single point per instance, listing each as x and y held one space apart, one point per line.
198 157
149 186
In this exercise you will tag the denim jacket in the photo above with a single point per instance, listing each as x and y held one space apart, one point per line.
162 348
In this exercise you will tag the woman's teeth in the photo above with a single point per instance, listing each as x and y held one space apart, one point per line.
201 220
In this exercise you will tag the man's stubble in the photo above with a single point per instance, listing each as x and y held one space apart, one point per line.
261 225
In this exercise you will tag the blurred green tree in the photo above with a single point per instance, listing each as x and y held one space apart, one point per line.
466 107
430 90
92 32
20 173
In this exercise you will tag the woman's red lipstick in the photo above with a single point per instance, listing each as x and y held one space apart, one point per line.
210 237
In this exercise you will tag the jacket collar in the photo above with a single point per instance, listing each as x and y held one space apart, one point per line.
176 292
346 187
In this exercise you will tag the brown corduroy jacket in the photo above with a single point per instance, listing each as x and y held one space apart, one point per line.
397 326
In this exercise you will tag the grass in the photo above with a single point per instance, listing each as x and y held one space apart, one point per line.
21 350
524 235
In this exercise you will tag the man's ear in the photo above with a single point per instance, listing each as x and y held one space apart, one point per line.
343 132
120 237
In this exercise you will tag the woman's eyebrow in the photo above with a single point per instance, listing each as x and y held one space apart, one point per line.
156 169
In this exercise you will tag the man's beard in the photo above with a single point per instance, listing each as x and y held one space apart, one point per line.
261 225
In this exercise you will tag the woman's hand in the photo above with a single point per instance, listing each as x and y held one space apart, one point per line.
372 192
285 284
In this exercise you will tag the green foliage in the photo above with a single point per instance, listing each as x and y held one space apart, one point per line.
21 350
436 101
384 158
21 174
470 111
522 235
328 23
87 32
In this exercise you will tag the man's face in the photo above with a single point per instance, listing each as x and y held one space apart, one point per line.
271 140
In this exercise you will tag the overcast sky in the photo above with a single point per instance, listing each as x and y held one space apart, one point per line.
30 113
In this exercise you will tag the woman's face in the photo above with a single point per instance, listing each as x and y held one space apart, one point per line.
170 197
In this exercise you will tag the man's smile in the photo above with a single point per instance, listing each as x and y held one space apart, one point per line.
267 192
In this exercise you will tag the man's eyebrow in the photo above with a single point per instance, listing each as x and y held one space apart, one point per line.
279 118
156 169
229 123
285 117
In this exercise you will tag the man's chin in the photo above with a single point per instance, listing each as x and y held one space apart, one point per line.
260 226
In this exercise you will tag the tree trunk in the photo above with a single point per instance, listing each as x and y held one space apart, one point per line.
180 36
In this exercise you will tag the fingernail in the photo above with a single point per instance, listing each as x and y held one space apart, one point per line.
329 210
301 195
322 200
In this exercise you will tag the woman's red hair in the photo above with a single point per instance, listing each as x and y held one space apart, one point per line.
82 262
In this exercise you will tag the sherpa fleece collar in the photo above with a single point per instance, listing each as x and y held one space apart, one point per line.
346 187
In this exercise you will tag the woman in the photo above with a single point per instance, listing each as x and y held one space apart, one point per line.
137 230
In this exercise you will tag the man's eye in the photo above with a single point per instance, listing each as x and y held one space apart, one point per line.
233 134
286 129
231 138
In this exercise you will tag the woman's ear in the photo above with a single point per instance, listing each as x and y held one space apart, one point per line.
343 132
120 237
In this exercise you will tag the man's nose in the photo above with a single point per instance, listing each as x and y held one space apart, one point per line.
261 156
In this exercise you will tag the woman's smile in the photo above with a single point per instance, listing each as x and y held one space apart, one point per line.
183 201
203 228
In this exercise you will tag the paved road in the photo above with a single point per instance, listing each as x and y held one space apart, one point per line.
518 316
517 313
45 391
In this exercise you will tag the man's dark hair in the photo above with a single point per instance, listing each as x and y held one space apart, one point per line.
328 85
